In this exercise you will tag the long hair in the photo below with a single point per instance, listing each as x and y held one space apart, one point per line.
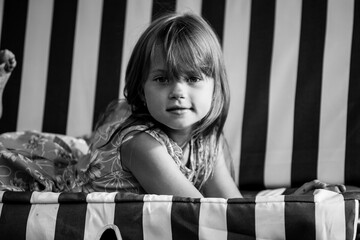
189 45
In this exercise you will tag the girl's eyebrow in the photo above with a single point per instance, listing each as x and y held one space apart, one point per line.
158 70
193 72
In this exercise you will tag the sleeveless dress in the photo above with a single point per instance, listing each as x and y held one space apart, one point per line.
51 162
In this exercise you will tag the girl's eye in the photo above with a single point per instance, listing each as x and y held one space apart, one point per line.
194 79
161 80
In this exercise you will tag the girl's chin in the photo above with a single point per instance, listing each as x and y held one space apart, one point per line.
179 127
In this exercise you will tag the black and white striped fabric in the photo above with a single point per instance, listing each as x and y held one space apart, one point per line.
293 68
26 215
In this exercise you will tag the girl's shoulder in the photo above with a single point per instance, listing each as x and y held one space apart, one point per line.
149 134
120 126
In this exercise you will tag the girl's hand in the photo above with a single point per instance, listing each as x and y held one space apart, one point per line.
309 187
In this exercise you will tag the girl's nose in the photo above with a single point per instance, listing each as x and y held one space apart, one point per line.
178 90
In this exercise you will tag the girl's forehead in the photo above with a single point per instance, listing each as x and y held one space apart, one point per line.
157 59
177 64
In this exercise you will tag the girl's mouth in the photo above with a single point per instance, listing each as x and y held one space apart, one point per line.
178 110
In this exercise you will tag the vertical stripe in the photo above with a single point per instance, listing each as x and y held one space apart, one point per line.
44 197
128 212
300 217
35 65
1 204
12 38
110 53
70 214
269 217
100 213
83 77
60 66
235 45
138 16
42 221
14 227
10 226
214 227
253 145
101 197
185 219
193 6
334 94
351 217
1 15
70 197
241 219
161 7
308 92
157 217
352 163
329 215
214 12
282 94
16 197
356 217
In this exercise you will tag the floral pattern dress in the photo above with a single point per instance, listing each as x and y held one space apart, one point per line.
35 161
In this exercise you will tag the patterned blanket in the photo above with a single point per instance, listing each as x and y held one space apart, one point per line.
31 161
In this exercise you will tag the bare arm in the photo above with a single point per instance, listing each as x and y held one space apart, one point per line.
221 183
154 168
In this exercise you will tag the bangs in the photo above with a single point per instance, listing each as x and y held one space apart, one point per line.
188 51
184 57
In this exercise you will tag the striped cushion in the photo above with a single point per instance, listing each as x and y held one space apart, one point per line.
35 215
293 67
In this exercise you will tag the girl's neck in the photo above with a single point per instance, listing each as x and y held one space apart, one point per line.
181 137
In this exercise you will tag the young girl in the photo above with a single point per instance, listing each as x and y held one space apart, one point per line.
178 96
166 137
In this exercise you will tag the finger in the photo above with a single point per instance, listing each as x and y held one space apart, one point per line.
315 184
336 188
302 190
333 188
307 187
342 188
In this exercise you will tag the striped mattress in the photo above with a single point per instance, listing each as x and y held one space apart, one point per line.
34 215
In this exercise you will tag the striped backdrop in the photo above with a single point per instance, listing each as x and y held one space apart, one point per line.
293 67
326 215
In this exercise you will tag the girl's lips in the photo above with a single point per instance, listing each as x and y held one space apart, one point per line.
178 110
177 107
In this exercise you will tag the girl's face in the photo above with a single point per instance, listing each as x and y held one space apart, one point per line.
177 103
